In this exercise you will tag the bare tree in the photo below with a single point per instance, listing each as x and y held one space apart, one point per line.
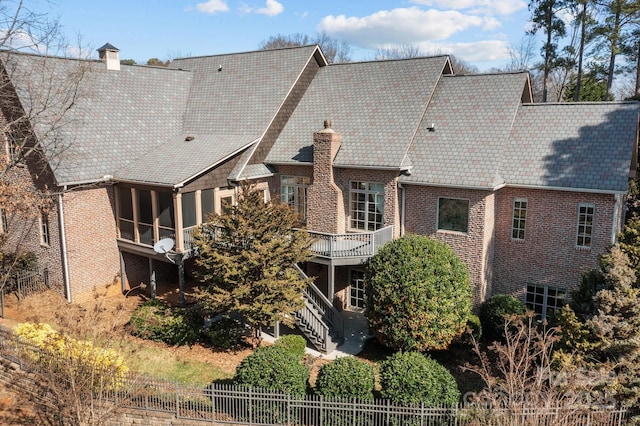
401 51
334 50
521 374
38 90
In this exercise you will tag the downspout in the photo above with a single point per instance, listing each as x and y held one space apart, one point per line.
403 204
63 243
618 217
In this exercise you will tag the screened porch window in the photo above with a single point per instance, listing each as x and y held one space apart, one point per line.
189 217
125 215
145 216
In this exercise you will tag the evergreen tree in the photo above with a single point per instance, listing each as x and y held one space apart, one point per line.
247 262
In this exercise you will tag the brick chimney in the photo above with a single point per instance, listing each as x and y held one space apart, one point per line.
325 202
109 55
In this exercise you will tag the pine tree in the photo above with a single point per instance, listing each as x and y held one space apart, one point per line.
246 262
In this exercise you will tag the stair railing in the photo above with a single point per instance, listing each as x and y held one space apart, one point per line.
323 305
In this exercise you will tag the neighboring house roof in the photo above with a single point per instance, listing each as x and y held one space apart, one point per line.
376 106
472 116
584 146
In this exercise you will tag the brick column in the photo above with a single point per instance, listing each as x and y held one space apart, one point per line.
325 203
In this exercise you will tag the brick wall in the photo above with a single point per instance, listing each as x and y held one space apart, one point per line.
473 247
325 204
24 229
90 227
548 254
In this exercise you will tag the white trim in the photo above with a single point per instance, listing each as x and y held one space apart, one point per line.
593 216
513 217
617 219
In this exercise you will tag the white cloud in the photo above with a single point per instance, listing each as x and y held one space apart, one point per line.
272 8
490 7
212 6
403 25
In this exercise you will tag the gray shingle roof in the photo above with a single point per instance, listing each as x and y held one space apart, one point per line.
245 95
472 116
178 160
579 146
117 116
376 106
132 123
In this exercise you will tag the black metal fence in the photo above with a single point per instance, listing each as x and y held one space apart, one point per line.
224 403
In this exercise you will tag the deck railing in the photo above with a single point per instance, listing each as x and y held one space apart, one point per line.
360 244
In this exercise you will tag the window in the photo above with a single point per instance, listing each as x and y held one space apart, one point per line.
519 218
4 222
356 290
44 229
545 300
207 206
145 216
453 214
125 213
585 225
293 191
367 205
189 209
166 221
15 141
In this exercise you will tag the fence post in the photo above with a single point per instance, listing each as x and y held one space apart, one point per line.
177 402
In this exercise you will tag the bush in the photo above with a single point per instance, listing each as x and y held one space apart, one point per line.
155 321
225 333
412 378
492 315
273 367
293 343
74 360
418 294
346 377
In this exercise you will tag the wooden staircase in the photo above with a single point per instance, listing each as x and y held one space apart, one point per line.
319 320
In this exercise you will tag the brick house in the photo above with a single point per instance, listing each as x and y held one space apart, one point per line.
528 196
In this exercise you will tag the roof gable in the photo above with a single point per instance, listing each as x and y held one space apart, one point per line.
376 106
465 130
583 146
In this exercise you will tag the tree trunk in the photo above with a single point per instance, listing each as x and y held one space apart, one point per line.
583 35
547 54
615 35
637 93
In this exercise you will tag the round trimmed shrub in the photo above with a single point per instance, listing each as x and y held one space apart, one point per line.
418 295
225 333
492 315
412 378
273 367
293 343
346 377
153 320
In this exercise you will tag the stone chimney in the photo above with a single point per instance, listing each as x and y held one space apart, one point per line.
109 55
325 202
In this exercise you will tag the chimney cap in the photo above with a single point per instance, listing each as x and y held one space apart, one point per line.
327 124
108 46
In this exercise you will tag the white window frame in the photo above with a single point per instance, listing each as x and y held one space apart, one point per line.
549 294
438 215
519 219
584 226
363 221
45 236
293 192
356 290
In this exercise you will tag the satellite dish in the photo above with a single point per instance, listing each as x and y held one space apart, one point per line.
163 246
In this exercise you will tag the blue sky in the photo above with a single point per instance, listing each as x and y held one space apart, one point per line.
477 31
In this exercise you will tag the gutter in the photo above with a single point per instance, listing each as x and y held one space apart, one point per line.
63 244
403 205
